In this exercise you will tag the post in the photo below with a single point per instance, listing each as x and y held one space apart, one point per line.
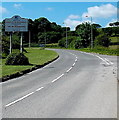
21 44
66 38
45 38
29 39
10 43
91 34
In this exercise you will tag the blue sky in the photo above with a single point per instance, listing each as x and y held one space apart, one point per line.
71 13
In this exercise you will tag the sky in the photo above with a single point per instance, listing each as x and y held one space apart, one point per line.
69 13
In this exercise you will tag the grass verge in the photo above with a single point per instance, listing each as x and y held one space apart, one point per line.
111 50
36 57
102 50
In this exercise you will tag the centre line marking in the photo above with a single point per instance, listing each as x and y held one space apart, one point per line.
19 99
69 69
39 89
73 64
23 97
11 103
76 60
57 78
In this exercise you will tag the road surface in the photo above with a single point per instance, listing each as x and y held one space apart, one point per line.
76 85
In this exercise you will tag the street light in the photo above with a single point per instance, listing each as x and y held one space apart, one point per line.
91 32
66 36
29 38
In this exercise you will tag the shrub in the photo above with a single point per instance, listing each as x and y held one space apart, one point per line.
102 40
17 59
70 39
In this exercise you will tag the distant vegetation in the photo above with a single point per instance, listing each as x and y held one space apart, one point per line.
42 31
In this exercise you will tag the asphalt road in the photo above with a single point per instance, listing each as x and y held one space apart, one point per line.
76 85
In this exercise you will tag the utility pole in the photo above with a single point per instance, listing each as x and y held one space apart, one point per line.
45 37
66 36
91 32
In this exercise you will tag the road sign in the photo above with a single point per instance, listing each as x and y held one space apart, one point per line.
16 24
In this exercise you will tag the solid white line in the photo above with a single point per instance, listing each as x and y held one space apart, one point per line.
109 61
57 78
39 89
102 59
19 99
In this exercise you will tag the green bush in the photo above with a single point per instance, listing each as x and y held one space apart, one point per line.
17 59
70 39
102 40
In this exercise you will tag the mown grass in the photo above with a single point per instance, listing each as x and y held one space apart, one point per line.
102 50
36 57
114 39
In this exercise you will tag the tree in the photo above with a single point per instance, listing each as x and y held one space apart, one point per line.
96 25
114 24
84 31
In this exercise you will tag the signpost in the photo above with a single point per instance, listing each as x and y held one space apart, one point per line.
16 24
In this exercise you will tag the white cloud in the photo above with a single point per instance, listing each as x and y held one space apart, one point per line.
17 5
103 11
73 16
3 10
72 23
49 9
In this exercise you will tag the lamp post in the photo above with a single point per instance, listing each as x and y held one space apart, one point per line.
66 36
29 39
10 42
91 32
45 37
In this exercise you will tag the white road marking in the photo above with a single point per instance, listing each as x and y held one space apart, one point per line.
109 61
57 78
39 89
102 59
74 64
19 99
11 103
76 60
69 69
23 97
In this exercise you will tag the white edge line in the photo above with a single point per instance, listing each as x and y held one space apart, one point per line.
102 59
109 61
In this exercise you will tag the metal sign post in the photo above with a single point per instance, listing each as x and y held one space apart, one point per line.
16 24
21 44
